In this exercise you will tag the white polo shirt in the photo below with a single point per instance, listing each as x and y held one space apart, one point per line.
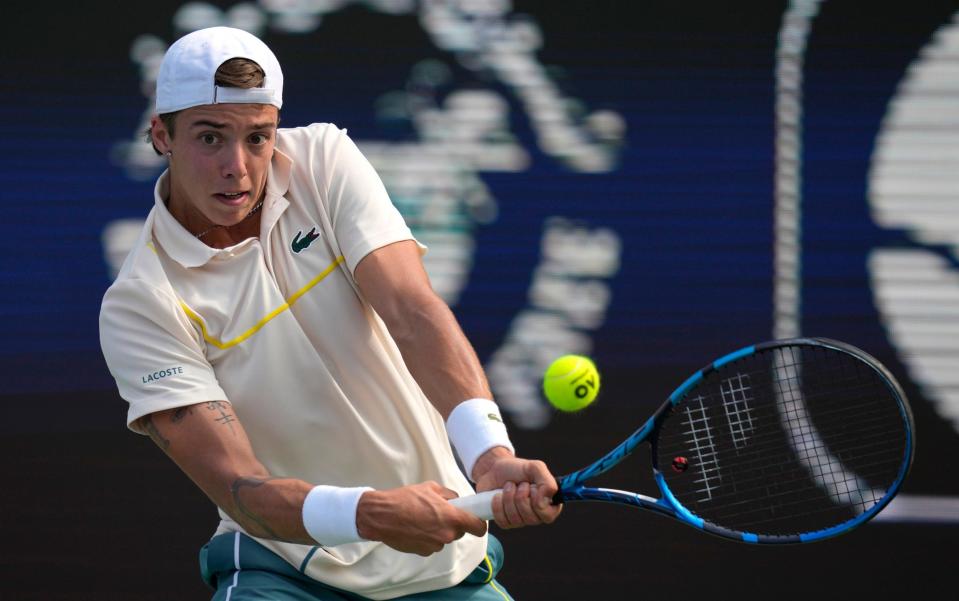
277 327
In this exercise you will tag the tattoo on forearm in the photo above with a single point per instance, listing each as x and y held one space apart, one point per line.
222 409
225 417
250 482
147 423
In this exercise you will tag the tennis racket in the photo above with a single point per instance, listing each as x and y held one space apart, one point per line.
789 441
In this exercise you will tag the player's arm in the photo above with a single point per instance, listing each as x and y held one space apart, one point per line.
446 367
209 444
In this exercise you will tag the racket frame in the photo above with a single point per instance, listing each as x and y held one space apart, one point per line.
571 487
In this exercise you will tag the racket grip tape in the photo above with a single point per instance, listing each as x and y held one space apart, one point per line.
480 504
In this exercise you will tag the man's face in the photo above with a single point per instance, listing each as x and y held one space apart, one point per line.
218 167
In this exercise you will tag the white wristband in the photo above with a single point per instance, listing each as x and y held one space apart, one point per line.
474 427
329 514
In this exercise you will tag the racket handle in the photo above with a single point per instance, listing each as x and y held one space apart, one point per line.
480 504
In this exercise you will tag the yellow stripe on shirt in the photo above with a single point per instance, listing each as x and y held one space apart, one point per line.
267 318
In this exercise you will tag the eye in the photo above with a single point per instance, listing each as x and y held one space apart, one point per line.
259 139
209 139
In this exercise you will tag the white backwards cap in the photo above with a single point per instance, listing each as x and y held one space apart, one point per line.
187 72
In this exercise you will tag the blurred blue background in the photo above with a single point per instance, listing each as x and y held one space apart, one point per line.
614 192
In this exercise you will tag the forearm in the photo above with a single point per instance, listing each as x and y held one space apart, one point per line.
270 507
439 356
210 445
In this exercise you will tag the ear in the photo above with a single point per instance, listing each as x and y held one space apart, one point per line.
161 136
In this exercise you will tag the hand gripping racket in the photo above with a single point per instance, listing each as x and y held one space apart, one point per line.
789 441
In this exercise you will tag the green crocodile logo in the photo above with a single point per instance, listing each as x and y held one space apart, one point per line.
303 243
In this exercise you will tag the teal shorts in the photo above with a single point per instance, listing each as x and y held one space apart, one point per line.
263 575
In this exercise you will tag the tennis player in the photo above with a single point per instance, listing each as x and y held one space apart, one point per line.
275 333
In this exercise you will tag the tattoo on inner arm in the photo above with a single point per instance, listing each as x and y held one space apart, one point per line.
251 482
180 413
147 423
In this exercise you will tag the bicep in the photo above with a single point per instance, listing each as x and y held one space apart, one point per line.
434 348
394 281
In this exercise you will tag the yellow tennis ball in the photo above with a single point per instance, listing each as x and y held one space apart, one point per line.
571 382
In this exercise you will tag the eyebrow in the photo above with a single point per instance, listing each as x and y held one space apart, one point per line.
215 125
204 122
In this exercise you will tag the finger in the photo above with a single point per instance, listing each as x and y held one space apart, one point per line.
523 502
549 513
499 515
426 551
513 518
540 504
446 493
538 473
542 497
474 525
423 547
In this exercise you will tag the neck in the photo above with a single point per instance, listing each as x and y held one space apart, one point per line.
212 234
219 236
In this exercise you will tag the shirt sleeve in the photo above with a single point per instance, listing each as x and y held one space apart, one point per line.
363 216
153 352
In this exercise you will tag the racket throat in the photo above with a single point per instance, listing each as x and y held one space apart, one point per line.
612 495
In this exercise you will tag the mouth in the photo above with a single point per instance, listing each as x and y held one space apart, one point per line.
232 198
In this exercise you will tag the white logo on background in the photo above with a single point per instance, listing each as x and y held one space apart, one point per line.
914 186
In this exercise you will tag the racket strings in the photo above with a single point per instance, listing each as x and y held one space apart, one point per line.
769 464
871 465
863 425
791 503
877 426
785 479
844 406
793 440
874 424
746 486
795 509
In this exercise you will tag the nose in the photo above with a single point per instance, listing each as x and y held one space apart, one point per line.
234 162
